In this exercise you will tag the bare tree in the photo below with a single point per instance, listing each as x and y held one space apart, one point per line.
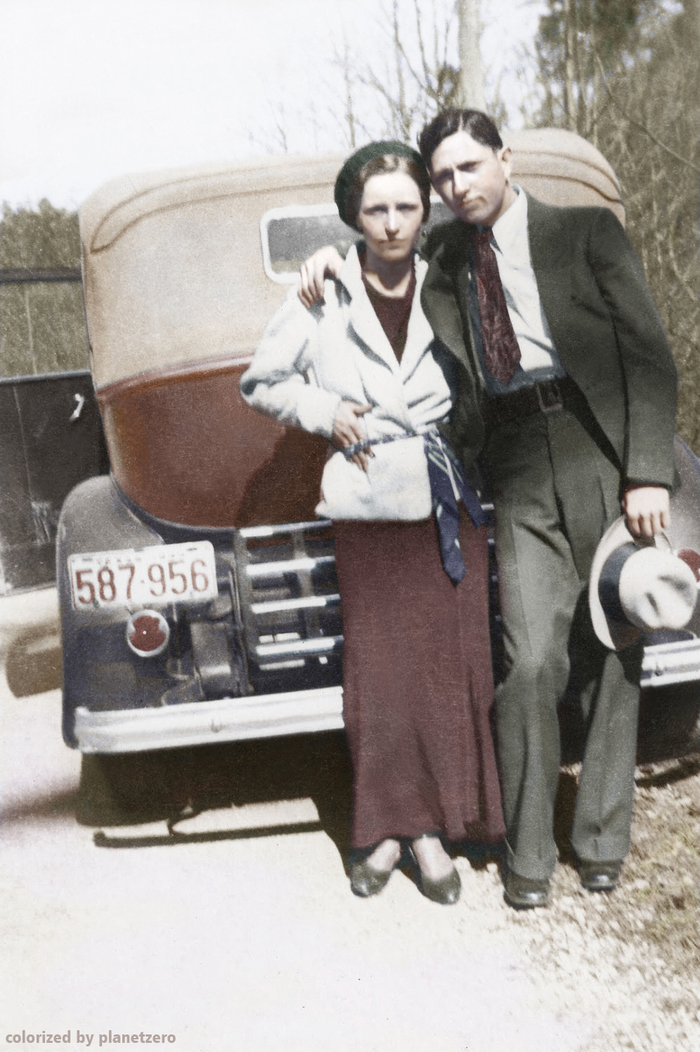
347 119
624 73
416 78
412 72
575 37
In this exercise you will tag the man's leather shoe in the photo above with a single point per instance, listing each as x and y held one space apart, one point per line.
599 876
365 880
524 893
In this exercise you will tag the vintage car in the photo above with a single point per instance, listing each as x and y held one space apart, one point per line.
198 594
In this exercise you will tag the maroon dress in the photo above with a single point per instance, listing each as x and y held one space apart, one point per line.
417 683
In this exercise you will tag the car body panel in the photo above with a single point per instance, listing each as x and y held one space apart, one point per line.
182 270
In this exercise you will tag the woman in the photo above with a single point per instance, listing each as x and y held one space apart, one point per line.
363 369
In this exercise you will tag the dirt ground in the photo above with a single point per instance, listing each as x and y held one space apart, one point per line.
642 942
235 928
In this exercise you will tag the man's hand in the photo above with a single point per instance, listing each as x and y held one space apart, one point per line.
325 263
647 509
347 429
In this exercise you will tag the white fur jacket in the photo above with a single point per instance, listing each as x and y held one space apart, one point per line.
310 360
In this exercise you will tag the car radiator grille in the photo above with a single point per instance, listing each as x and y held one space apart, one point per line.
290 602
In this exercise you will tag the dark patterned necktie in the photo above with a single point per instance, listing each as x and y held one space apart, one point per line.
501 351
445 472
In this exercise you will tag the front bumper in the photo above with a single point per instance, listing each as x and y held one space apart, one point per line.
670 664
204 722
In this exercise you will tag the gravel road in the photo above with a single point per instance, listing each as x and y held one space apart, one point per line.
237 930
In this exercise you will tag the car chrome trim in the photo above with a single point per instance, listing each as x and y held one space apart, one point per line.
668 663
318 645
273 569
200 723
305 603
287 527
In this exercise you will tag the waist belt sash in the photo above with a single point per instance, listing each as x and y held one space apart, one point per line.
448 485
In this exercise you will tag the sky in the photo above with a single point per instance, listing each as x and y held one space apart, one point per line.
90 89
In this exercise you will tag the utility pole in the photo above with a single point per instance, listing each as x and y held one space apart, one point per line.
569 63
471 71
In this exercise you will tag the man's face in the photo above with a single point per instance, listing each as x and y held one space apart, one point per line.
473 180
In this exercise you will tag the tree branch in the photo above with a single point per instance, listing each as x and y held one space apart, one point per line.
643 127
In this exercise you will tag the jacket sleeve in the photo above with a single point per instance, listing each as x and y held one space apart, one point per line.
279 381
649 371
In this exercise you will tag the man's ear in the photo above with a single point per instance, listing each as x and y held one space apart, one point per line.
505 156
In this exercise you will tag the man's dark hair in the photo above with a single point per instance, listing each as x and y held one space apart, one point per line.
452 120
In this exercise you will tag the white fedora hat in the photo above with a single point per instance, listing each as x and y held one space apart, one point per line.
638 585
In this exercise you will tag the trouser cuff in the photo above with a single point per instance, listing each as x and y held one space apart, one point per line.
610 849
540 868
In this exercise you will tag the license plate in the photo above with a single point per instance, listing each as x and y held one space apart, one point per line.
163 573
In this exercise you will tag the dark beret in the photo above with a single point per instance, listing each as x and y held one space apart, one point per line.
358 160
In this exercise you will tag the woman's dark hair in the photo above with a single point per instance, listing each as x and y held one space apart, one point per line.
381 166
453 120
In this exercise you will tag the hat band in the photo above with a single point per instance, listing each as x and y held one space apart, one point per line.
609 583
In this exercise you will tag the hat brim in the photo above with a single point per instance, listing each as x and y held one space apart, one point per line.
613 634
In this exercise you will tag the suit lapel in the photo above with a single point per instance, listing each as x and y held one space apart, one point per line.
363 318
445 290
368 329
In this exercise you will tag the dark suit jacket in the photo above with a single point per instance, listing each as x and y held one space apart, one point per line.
603 322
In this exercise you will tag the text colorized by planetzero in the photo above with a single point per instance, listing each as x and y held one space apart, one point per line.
96 1040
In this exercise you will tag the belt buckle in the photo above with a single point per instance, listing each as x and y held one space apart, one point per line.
549 396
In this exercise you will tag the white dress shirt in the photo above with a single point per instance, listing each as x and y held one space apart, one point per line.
511 245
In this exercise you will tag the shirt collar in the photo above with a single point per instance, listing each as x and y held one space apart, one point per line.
511 227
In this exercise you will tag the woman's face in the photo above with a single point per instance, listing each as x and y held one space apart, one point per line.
390 216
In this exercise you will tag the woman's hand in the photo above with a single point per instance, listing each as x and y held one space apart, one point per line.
347 430
325 263
647 509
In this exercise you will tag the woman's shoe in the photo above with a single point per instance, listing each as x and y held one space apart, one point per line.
365 879
445 890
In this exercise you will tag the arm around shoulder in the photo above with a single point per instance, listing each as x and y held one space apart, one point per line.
326 262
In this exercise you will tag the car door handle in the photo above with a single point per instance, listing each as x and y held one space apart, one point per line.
79 403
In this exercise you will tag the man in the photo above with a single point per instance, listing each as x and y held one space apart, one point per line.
568 391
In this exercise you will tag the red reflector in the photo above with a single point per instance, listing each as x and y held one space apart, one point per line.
147 633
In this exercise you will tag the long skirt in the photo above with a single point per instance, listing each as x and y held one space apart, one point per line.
417 684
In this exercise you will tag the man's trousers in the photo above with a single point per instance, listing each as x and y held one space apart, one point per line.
556 490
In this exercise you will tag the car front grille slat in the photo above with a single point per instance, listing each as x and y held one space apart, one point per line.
297 566
291 605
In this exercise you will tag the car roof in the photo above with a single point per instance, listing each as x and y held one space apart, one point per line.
173 263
